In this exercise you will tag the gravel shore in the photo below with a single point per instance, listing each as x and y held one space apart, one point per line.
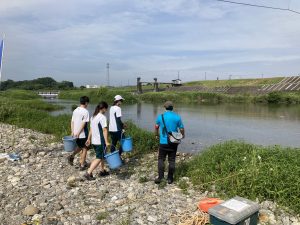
43 187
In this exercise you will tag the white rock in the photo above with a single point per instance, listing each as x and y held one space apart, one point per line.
152 218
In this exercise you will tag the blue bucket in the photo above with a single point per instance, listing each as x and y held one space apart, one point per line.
69 143
114 160
127 144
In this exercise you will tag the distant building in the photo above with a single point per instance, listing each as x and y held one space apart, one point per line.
91 86
176 82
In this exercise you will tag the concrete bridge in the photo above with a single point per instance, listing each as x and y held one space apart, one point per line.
48 94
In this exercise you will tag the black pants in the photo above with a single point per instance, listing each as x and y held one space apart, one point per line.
164 151
115 137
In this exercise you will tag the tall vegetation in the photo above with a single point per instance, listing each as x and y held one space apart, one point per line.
251 171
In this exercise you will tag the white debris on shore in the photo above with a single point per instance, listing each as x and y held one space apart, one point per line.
43 187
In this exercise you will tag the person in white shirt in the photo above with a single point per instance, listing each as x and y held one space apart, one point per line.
79 128
98 137
116 125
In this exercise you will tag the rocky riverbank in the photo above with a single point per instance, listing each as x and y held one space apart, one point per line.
43 187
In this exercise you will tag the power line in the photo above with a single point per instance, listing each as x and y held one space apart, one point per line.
260 6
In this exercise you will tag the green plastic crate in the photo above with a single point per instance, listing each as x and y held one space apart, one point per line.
236 211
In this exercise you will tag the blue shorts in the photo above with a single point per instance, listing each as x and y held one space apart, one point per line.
99 149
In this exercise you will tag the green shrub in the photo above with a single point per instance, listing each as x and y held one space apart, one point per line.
274 97
236 168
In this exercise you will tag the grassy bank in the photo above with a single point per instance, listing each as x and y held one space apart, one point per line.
201 97
235 82
26 109
255 172
101 94
182 97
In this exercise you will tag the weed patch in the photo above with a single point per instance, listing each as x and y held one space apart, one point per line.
251 171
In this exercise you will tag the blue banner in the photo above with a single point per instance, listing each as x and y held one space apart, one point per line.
1 55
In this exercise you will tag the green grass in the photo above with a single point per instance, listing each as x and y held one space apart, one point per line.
215 98
102 216
101 94
19 94
250 171
235 82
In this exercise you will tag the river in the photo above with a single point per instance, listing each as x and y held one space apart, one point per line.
210 124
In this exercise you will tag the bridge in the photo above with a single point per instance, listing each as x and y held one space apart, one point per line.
48 94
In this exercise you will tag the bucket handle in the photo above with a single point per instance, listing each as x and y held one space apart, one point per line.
104 151
123 135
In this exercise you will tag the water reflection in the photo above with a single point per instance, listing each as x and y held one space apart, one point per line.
210 124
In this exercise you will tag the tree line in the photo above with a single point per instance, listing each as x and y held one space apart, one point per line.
43 83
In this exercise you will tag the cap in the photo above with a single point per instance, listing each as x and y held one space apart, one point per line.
118 98
168 104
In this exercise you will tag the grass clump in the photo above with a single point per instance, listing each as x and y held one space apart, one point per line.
143 179
182 184
102 216
250 171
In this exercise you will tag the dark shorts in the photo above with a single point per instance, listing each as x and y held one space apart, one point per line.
99 151
81 142
168 147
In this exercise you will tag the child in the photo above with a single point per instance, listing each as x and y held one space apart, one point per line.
116 125
98 137
79 128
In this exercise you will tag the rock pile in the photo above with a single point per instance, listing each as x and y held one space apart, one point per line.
43 188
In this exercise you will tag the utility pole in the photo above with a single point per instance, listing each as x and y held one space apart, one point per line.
107 74
205 76
178 75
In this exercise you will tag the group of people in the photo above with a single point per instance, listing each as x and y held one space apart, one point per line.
97 136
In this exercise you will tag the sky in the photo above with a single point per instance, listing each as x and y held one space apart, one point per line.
74 40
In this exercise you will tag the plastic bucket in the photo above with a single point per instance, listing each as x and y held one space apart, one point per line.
127 144
114 160
207 203
69 143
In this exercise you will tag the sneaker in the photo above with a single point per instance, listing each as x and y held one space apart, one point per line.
71 160
103 173
158 180
82 168
89 176
170 180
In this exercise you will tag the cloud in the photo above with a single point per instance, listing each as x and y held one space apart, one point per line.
73 40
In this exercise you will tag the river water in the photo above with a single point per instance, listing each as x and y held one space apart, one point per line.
210 124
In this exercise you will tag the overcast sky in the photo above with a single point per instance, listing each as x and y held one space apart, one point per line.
73 40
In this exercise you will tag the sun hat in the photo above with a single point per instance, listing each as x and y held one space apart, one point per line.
168 104
119 98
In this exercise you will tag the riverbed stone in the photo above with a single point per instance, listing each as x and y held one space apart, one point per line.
57 193
30 210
